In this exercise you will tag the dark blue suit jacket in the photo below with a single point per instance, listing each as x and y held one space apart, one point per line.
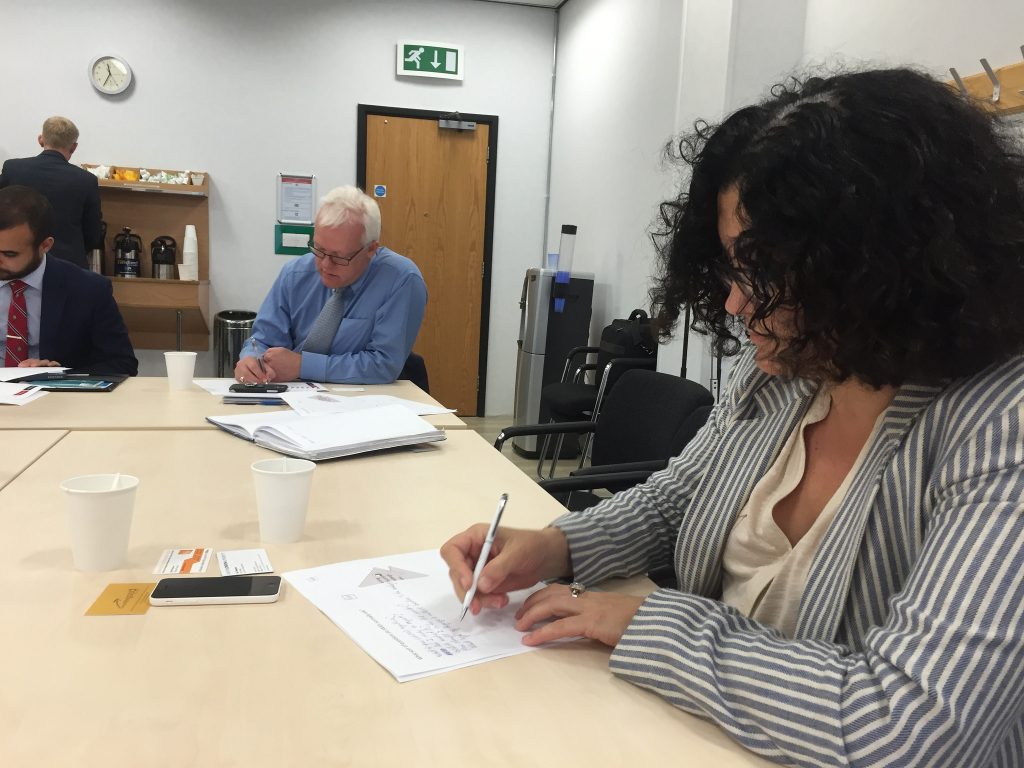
80 325
74 194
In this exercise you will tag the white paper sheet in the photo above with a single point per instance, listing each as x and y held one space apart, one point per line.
19 394
324 402
401 610
6 374
221 387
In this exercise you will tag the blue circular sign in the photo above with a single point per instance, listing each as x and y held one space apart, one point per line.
380 191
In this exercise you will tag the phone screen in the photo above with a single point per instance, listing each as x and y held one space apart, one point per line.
217 586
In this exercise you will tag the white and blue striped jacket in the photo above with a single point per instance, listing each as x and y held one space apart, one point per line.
909 648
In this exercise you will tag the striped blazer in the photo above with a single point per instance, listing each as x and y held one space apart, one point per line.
909 647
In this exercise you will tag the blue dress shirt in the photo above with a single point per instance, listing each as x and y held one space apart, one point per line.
33 303
383 312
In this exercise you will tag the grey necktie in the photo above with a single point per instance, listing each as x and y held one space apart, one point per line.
325 328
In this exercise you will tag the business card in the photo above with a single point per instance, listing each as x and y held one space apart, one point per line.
184 560
122 600
239 562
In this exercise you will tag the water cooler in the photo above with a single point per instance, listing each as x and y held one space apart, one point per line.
545 338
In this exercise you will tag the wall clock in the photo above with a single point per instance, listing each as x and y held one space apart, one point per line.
110 75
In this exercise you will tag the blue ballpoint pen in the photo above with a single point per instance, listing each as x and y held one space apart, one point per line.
484 552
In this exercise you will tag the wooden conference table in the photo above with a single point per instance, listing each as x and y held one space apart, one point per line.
146 403
280 685
21 448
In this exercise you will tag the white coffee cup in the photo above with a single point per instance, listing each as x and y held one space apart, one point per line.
282 496
181 367
99 509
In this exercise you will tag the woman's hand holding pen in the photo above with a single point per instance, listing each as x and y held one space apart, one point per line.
518 559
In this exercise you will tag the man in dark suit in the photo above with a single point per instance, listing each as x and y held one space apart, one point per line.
73 192
52 312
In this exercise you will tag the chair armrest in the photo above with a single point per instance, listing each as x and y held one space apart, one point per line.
583 370
615 368
575 352
629 466
554 428
589 482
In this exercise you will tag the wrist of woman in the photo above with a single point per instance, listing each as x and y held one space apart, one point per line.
559 560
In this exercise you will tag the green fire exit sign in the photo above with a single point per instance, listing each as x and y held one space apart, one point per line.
423 59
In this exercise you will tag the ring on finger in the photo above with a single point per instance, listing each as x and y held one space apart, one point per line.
576 589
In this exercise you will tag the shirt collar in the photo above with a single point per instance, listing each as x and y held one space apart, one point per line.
33 279
358 284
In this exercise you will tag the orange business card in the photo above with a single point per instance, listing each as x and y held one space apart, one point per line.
122 600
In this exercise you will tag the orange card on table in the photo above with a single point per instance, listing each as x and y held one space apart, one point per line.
122 600
184 560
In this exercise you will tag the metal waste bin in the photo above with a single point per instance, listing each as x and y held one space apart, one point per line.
231 329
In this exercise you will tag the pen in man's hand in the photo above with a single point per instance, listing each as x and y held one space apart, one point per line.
484 552
263 370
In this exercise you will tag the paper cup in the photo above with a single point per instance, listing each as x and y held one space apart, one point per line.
282 496
181 367
99 510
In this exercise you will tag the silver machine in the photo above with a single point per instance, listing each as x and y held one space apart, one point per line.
545 338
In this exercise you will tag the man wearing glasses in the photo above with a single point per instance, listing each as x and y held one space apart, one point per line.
346 312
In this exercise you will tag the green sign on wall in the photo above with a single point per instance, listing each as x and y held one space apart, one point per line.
423 59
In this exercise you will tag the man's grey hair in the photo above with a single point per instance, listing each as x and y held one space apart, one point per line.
342 204
59 133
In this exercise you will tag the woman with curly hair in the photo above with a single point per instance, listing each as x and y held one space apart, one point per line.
848 528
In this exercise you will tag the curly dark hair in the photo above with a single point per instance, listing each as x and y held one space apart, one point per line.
881 206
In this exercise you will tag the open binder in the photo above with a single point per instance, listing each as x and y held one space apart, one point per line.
318 436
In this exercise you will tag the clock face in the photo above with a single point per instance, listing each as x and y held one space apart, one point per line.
110 74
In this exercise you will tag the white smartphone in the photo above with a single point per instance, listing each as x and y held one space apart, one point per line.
216 590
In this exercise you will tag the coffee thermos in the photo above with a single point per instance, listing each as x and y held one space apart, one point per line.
164 255
95 256
127 248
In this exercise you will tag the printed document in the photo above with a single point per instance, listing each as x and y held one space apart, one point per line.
323 402
19 394
402 610
9 374
222 387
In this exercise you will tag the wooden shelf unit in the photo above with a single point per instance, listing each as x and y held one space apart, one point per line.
1011 89
150 306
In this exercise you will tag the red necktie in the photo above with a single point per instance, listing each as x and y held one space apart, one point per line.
17 325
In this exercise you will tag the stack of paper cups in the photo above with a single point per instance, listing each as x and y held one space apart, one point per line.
189 268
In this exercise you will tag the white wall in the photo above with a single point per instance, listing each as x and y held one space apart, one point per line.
246 88
934 34
631 75
614 110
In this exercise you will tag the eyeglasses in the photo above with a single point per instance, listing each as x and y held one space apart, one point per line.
336 260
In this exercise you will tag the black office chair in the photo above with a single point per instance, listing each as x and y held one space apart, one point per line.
415 370
647 419
625 344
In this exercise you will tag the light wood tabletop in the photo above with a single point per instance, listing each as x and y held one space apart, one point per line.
279 684
21 448
146 402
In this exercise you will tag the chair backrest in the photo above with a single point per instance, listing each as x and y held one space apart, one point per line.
648 416
415 370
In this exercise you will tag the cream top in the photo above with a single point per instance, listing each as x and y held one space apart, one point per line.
764 576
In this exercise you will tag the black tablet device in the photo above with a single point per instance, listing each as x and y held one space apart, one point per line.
74 382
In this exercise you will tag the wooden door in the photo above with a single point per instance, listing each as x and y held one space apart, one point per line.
434 210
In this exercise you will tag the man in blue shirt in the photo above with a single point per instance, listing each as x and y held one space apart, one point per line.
346 312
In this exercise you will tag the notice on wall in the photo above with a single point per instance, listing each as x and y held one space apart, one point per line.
296 196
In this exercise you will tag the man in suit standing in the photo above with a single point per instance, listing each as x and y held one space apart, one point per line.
73 192
52 312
